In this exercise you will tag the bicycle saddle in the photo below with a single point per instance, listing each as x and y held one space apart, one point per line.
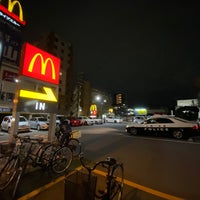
112 161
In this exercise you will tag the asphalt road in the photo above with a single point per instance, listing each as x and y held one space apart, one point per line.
163 164
160 168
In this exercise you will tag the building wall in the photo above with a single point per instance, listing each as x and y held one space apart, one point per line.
10 44
86 98
53 44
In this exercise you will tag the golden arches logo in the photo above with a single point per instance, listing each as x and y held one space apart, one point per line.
43 65
12 4
93 107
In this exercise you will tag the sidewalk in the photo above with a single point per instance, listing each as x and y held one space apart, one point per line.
69 187
62 189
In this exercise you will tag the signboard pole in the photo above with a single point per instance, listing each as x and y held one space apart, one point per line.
52 127
15 117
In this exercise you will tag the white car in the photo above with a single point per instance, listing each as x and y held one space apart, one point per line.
113 119
22 127
39 123
165 125
139 119
86 120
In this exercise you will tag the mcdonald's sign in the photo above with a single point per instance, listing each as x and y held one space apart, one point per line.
9 15
93 110
39 64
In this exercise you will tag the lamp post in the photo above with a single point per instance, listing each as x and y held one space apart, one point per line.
101 103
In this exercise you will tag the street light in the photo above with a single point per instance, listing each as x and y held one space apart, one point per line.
98 98
101 103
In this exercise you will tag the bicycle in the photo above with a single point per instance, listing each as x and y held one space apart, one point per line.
66 139
114 178
57 158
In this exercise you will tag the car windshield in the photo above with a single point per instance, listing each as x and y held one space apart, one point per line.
22 119
42 119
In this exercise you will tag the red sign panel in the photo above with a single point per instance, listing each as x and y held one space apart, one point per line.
39 64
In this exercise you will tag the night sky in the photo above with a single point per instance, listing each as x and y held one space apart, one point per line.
149 50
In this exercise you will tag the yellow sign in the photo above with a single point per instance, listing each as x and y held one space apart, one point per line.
9 15
93 107
11 5
47 96
43 64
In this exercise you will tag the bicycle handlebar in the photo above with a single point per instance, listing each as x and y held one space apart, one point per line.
109 161
27 138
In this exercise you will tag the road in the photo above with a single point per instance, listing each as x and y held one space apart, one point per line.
163 165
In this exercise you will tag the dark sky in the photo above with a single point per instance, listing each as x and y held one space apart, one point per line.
148 49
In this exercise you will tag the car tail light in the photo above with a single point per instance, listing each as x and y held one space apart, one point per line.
196 127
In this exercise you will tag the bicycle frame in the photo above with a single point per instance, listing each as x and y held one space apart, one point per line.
22 159
73 143
110 164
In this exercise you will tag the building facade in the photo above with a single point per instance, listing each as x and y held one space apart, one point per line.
53 44
10 52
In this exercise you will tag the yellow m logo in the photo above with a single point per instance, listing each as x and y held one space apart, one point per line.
93 107
43 65
12 4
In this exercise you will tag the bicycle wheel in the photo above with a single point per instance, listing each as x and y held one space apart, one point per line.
116 186
75 146
46 156
8 172
61 160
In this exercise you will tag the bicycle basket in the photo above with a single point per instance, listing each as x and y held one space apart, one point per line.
78 186
76 134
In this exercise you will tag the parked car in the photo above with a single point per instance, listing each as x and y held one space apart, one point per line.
113 119
86 120
22 127
75 121
139 119
58 120
165 125
97 120
39 123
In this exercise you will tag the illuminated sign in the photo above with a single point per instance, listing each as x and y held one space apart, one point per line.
93 110
40 65
140 111
36 106
47 96
9 15
93 107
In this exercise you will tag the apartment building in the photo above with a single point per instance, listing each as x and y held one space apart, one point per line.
53 44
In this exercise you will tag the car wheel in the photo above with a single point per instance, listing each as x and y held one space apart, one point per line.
178 134
38 127
133 131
